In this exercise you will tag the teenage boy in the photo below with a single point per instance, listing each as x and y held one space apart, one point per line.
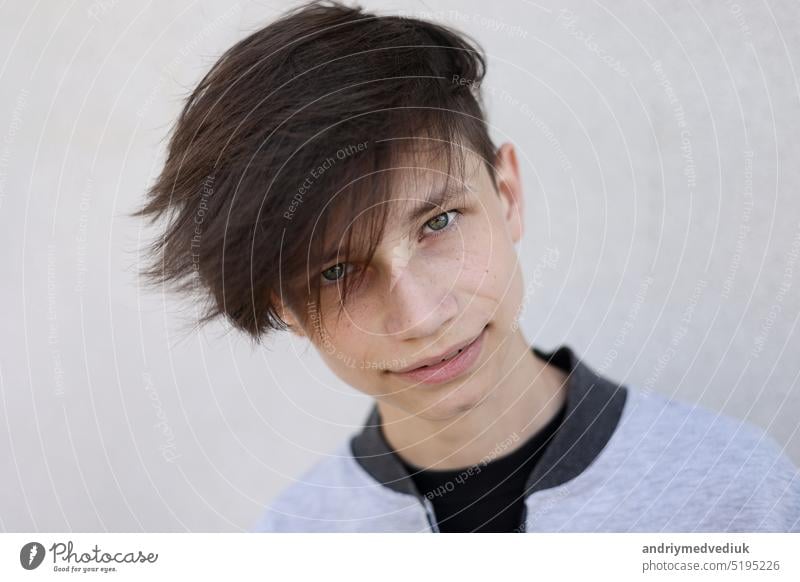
333 175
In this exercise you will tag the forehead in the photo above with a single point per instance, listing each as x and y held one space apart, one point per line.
421 180
418 185
415 173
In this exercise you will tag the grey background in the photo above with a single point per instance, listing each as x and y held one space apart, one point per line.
677 263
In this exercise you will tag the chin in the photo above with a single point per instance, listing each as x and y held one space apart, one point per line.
457 401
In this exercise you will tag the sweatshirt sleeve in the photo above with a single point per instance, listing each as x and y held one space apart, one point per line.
778 493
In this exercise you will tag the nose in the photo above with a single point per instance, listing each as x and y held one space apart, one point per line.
417 303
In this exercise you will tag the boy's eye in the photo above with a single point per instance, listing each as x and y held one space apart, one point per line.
334 273
441 221
437 224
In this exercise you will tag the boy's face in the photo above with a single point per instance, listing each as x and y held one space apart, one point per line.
436 282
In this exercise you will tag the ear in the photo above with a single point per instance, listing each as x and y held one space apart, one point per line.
288 316
509 186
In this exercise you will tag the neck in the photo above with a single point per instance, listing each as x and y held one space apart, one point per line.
518 406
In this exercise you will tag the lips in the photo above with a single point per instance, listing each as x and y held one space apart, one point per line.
444 356
448 357
440 372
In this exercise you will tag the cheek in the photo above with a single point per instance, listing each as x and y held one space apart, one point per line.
342 348
344 336
488 262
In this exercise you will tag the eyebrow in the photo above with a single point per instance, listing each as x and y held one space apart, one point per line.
440 198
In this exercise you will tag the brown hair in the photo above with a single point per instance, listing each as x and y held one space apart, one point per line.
293 132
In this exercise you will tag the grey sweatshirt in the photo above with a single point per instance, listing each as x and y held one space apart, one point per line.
623 460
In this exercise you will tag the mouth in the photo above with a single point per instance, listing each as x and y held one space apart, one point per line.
443 368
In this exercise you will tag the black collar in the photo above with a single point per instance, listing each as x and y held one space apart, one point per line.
593 409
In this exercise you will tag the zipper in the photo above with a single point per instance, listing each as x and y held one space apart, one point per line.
430 515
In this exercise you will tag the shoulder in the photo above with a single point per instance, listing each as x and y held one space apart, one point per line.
316 487
709 459
334 494
668 424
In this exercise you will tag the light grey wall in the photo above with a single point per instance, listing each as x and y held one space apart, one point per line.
670 194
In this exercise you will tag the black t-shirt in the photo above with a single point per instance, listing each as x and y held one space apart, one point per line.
484 497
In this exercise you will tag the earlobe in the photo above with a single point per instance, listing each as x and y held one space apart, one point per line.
287 316
296 330
294 326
